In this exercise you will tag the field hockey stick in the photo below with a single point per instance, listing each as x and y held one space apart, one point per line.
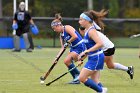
54 63
81 62
133 36
61 75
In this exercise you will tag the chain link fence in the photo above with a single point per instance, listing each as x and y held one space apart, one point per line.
118 30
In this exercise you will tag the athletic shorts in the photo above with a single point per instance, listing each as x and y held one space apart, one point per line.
95 62
78 49
109 52
22 30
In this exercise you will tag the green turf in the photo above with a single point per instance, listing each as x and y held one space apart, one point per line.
20 72
119 42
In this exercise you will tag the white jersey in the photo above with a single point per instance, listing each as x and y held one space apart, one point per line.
106 42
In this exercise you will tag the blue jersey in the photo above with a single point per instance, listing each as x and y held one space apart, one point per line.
77 44
95 58
89 42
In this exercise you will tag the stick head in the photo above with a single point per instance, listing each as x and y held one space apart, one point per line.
42 78
48 84
133 36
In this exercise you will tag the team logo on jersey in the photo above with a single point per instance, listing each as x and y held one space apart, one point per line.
85 41
67 38
20 16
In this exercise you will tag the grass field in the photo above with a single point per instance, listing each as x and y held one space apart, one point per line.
122 42
20 73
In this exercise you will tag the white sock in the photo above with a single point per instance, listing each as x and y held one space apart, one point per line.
119 66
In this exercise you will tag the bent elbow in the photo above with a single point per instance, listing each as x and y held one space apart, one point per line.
75 37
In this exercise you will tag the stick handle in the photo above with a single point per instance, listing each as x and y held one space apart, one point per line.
54 63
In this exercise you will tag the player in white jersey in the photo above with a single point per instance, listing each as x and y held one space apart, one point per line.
109 50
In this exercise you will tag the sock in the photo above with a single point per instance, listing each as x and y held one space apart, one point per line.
100 84
90 83
120 67
74 72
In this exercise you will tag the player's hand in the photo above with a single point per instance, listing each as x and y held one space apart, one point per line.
34 29
82 56
67 44
15 26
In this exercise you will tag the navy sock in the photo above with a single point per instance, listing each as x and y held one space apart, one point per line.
90 83
100 84
72 72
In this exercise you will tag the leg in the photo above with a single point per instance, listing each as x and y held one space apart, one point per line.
118 66
109 62
96 77
84 74
27 43
31 41
111 65
69 62
16 43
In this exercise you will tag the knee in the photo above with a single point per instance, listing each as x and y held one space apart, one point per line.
82 79
67 62
110 66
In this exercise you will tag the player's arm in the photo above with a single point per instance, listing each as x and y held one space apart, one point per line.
94 36
15 25
33 27
71 31
32 22
29 18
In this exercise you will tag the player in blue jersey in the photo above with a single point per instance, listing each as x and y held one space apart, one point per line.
90 73
69 37
109 50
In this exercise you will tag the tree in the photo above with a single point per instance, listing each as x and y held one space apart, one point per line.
0 8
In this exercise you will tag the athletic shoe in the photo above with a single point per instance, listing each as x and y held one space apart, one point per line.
131 71
74 82
76 78
104 90
15 50
29 50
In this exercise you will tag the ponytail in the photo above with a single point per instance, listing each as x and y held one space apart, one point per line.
98 16
58 16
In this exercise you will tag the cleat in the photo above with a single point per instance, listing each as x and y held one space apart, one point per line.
76 78
74 82
131 71
104 90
